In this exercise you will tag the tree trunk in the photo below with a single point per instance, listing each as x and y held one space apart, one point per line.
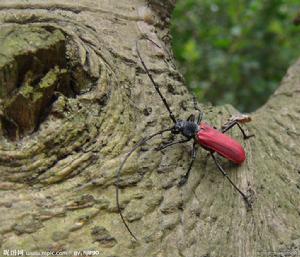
75 99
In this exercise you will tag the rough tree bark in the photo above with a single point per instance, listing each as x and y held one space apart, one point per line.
74 99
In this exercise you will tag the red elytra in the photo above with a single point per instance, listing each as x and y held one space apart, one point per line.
223 144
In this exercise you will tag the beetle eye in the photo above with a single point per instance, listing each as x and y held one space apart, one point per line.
175 130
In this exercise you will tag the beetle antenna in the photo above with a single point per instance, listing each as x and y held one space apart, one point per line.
154 83
141 142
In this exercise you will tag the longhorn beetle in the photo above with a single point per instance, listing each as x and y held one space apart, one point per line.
203 135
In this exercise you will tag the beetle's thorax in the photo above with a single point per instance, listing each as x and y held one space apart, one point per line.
187 128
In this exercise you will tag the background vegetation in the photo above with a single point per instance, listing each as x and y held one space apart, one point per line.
235 51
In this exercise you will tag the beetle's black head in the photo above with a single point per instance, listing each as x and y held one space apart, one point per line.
178 127
186 128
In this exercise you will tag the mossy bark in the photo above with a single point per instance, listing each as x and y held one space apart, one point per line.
74 100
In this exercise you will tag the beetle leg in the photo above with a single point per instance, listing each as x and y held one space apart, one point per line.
185 177
226 175
200 115
191 118
172 143
231 125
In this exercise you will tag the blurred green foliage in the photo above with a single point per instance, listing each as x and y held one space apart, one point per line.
235 51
